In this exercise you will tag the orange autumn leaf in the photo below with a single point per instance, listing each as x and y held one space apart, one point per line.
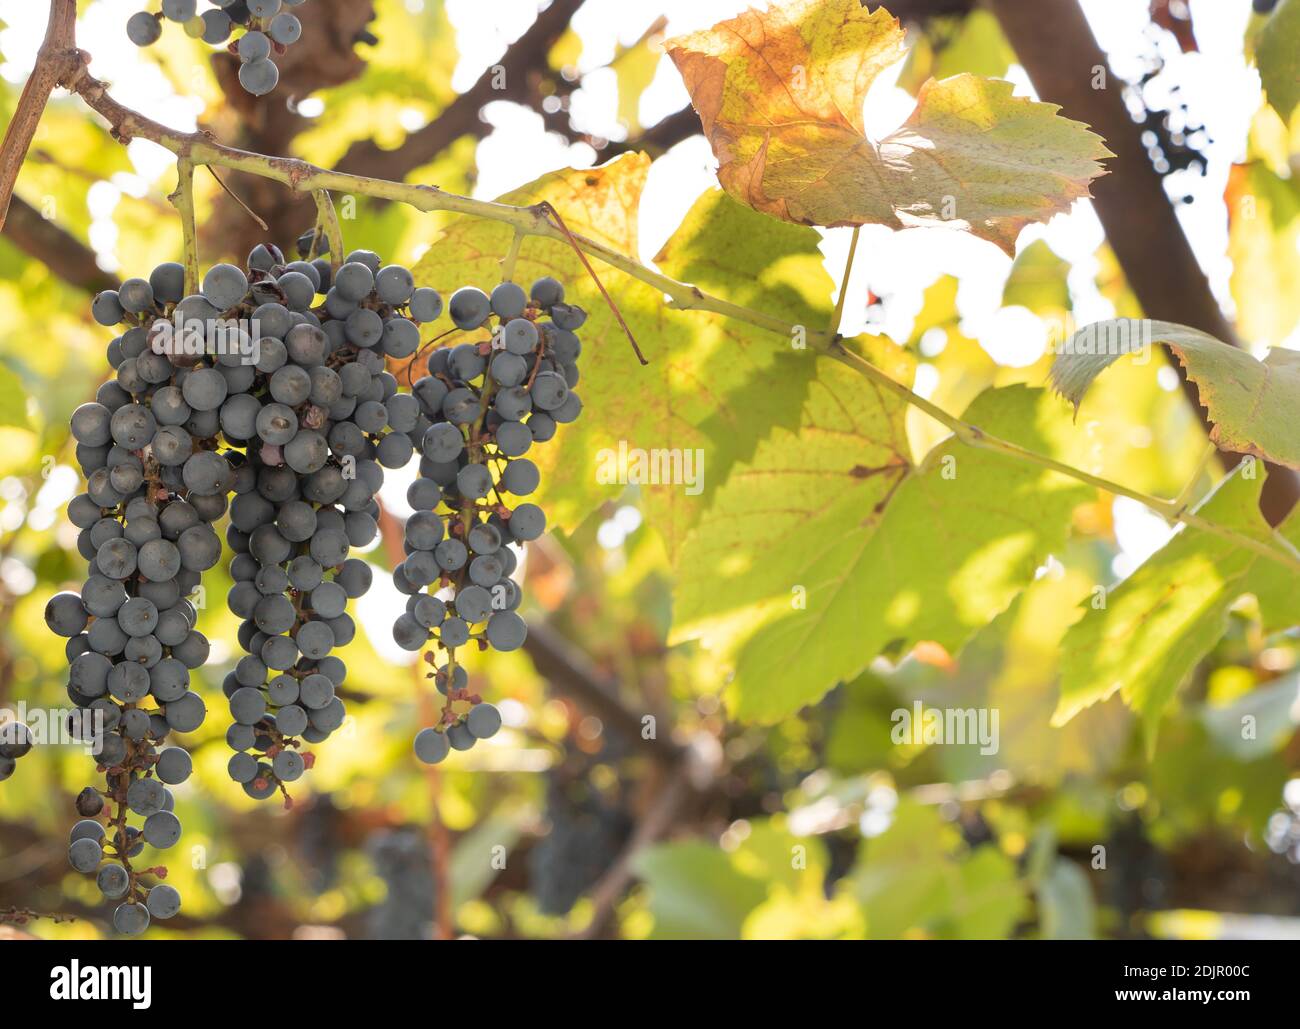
780 95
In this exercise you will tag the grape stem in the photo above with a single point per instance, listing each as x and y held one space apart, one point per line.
390 535
59 55
183 200
257 218
512 255
838 317
327 220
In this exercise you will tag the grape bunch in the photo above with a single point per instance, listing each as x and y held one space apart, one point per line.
156 480
401 860
320 422
15 742
269 29
587 833
488 401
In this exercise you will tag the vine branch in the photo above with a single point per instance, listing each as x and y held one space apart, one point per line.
52 65
535 220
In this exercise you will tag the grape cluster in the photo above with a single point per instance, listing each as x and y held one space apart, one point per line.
488 401
240 388
587 835
15 742
150 447
401 860
269 29
320 422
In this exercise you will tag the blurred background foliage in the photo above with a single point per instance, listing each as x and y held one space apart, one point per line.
569 824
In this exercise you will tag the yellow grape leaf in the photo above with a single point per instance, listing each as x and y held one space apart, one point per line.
950 45
634 68
1251 403
1264 245
1038 281
780 95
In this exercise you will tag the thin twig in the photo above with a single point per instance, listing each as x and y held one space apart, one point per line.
844 286
257 218
552 212
1188 493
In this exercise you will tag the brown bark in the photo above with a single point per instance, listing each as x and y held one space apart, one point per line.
1056 47
56 248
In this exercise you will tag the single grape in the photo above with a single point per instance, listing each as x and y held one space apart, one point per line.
253 46
163 901
506 631
162 830
216 27
179 10
431 746
174 766
285 29
113 881
469 307
85 855
425 304
131 919
508 300
546 292
143 29
260 76
483 721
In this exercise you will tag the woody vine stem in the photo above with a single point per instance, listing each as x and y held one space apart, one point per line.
60 62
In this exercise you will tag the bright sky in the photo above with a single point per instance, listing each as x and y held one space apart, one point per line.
1221 87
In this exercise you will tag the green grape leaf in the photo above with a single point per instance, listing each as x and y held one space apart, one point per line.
1038 281
1066 909
713 387
1273 584
1274 710
830 547
1160 621
1251 403
1012 667
912 878
697 892
780 94
1277 52
13 400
